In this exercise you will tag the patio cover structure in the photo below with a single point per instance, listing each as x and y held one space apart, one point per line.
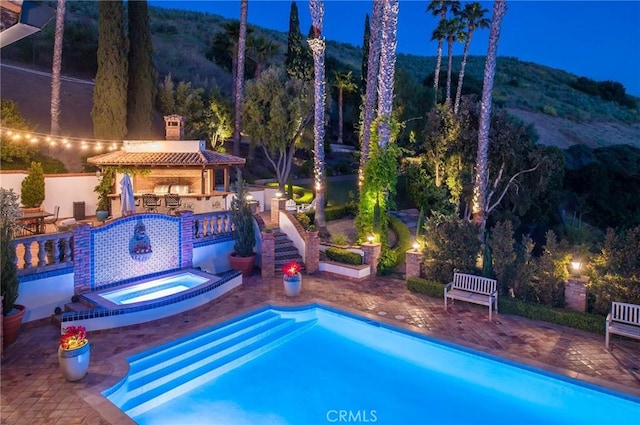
172 162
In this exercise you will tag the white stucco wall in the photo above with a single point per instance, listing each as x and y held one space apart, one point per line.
60 189
42 296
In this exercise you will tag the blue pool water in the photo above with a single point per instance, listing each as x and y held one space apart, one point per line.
153 289
316 365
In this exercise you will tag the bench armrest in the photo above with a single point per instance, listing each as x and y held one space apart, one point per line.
448 286
609 318
494 294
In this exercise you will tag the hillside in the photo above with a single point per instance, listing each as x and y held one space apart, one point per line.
562 115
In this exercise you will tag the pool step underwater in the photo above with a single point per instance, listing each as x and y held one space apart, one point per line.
179 367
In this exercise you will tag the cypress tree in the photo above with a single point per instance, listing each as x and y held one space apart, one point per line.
109 113
142 76
299 60
365 55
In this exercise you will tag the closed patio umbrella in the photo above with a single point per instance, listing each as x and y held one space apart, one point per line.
127 201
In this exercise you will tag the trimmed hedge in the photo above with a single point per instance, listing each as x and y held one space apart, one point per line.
335 212
574 319
343 256
427 287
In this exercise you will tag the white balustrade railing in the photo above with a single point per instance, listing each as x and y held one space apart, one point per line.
211 224
43 252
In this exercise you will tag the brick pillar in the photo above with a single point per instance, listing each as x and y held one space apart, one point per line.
372 255
186 230
413 260
312 252
575 293
268 255
82 258
277 204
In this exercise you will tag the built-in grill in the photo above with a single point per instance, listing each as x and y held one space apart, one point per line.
161 189
180 189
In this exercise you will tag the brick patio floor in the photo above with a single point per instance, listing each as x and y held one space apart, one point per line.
34 392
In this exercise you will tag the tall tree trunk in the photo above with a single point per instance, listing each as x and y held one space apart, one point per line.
456 104
479 208
372 86
239 78
436 75
447 100
317 45
56 68
386 76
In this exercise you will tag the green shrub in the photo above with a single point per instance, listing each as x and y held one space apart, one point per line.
300 194
343 256
427 287
303 219
339 239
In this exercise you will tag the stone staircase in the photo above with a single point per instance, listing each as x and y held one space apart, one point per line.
285 251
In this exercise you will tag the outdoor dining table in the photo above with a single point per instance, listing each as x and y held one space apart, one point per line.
35 221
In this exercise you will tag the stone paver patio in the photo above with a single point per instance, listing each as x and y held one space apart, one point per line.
34 392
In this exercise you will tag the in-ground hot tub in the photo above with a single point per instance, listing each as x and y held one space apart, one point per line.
150 299
150 290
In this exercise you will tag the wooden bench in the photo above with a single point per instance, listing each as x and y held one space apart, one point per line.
473 289
624 320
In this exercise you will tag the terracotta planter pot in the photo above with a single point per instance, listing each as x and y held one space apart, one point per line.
292 284
74 364
244 264
11 325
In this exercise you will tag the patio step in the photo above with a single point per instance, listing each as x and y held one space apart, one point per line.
171 370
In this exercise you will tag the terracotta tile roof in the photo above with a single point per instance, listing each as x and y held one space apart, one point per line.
201 158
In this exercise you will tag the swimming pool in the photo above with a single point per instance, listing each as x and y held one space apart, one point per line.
149 289
315 364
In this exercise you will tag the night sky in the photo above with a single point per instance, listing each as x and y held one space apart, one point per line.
596 39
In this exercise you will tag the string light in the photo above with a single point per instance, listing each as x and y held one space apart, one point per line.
67 142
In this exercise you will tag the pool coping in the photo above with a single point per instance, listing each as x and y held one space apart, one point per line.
120 366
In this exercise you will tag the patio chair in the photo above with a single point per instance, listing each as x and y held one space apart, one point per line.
53 220
172 201
150 202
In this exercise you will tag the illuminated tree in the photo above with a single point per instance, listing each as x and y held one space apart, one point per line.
387 70
56 67
317 45
276 112
239 77
480 207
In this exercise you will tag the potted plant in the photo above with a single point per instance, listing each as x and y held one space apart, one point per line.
32 187
12 312
74 352
243 258
291 278
103 189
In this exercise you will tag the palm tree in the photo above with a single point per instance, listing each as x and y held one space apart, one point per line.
440 8
479 208
239 77
261 50
386 76
57 66
317 45
344 83
372 83
454 33
472 17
